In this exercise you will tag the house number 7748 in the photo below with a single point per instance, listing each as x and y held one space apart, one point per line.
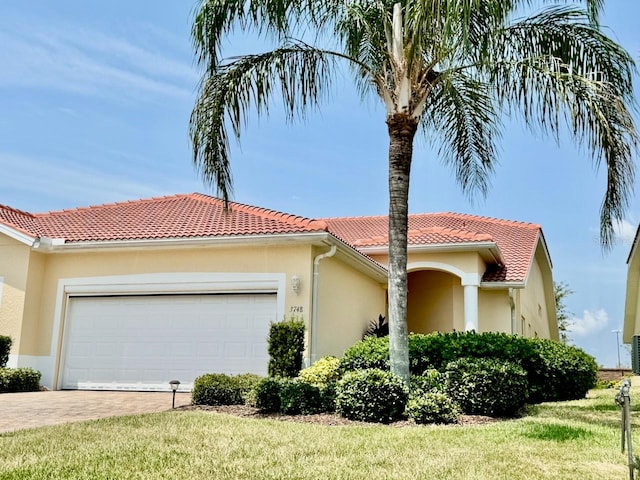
297 309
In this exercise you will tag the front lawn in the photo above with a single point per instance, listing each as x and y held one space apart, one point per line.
569 440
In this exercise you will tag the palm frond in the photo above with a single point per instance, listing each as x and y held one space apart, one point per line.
558 70
463 116
296 73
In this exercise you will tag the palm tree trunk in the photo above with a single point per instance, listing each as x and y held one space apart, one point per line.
402 129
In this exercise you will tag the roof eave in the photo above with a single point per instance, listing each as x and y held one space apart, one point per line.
60 246
491 249
353 256
501 285
17 234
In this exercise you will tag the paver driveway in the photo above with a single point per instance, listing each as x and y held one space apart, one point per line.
37 409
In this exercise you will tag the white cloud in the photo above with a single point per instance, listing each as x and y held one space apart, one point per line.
73 59
625 232
590 322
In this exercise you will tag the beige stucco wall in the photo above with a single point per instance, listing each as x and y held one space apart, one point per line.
632 295
347 301
468 262
534 305
14 267
32 304
494 311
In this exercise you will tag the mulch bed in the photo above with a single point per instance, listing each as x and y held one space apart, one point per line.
320 418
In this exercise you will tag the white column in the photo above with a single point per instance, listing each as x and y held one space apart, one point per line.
470 308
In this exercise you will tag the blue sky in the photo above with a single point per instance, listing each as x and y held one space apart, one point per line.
95 99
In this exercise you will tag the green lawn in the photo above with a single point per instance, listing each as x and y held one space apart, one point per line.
572 440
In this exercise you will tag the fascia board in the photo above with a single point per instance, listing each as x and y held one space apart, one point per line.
492 247
634 245
319 238
361 261
501 285
17 234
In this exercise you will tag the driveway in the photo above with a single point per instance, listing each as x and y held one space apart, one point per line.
37 409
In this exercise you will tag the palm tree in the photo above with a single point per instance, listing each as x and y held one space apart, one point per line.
449 68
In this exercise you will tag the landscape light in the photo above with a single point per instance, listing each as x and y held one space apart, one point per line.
174 387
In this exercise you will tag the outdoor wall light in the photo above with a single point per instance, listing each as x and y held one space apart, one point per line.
174 387
295 284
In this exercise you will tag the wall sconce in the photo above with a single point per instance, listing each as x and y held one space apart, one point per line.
174 386
295 284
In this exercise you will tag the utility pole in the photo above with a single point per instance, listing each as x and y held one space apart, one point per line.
617 332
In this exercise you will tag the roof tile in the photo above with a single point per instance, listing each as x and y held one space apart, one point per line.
516 240
196 215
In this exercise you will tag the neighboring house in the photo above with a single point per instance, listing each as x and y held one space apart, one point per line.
130 295
631 310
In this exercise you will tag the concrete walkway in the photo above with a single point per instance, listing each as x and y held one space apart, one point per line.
36 409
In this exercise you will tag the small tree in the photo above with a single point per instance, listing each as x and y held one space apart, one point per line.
564 316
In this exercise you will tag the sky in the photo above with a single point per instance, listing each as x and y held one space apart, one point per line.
95 99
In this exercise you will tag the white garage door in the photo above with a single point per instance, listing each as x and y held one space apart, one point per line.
142 342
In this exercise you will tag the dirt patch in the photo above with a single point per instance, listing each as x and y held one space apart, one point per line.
320 418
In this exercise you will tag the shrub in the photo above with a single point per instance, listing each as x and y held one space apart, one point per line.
19 380
286 345
602 384
555 371
560 372
429 381
246 384
221 389
372 352
322 372
371 396
487 386
266 395
299 397
432 407
5 347
328 397
216 389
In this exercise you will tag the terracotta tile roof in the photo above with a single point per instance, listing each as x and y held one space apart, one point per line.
196 215
19 220
178 216
516 240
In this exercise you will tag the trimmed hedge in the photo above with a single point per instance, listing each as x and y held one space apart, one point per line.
221 389
292 396
560 372
5 347
19 380
432 407
371 396
286 345
487 386
266 395
299 397
322 372
555 371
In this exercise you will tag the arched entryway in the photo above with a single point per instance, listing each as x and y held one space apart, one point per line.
441 297
435 302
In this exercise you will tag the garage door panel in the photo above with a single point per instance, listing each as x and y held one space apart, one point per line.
143 342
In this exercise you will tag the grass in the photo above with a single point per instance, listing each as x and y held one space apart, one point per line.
570 440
